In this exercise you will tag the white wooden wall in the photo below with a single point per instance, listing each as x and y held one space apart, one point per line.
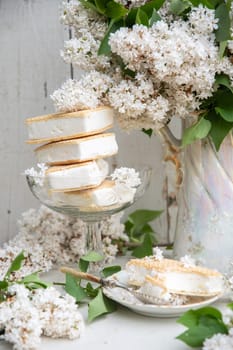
30 70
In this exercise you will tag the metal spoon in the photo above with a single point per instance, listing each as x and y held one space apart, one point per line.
110 283
104 282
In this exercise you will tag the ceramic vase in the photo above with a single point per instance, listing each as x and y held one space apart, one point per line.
204 228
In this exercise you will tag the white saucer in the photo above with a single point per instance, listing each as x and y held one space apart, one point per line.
126 298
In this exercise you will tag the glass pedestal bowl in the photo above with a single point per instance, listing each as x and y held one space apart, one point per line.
83 204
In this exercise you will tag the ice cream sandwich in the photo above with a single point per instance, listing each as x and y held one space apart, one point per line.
63 126
77 176
107 194
171 276
77 150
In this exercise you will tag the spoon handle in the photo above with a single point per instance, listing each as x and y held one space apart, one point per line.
82 275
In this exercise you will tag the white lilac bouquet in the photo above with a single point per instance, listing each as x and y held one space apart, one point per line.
153 61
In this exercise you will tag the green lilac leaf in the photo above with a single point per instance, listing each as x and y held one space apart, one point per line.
229 3
110 270
226 113
137 225
129 226
223 32
33 286
131 17
224 80
154 18
150 9
89 4
101 5
92 257
150 6
83 265
148 132
224 106
33 281
145 249
142 18
105 48
210 311
177 7
201 323
138 234
145 229
219 129
208 103
128 72
207 326
196 132
190 318
195 2
196 336
73 288
91 291
100 305
115 10
89 257
16 263
230 305
3 284
142 216
211 4
222 48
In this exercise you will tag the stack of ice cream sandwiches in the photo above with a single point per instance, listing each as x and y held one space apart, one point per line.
74 147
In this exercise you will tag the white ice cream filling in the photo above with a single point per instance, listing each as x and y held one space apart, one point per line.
79 151
66 126
192 282
90 174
